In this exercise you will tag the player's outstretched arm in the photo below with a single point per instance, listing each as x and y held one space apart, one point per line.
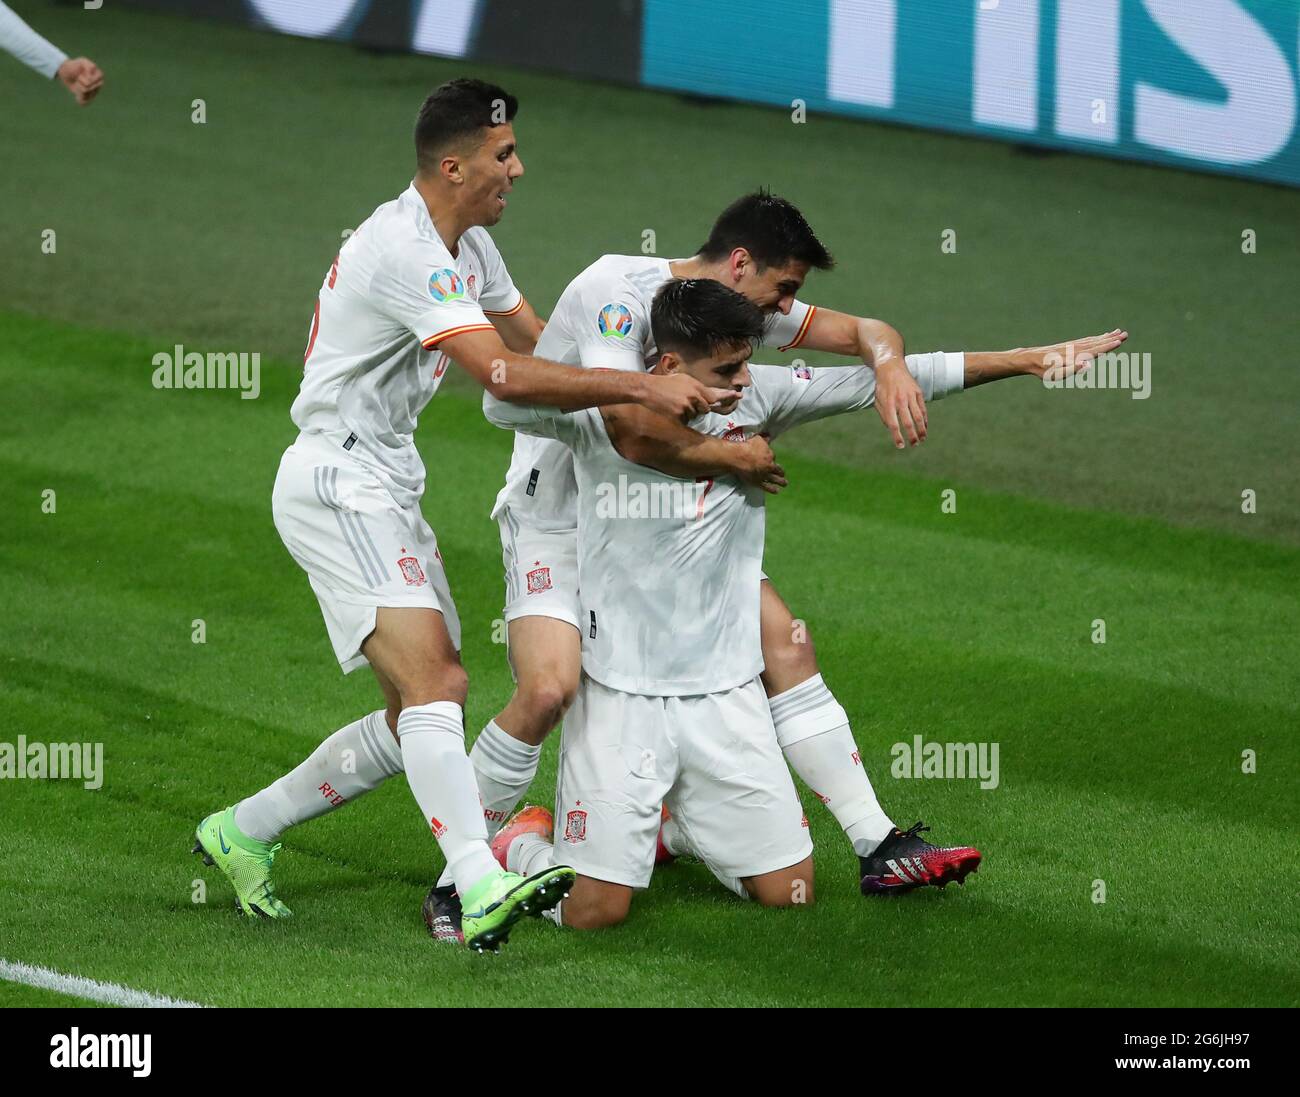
899 400
832 390
520 379
651 440
1058 359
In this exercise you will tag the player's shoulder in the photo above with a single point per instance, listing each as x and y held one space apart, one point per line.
401 229
771 385
774 378
631 279
480 241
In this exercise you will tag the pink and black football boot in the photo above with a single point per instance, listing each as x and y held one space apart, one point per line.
904 861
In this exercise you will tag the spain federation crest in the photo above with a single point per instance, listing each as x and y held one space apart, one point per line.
575 826
445 285
411 571
614 321
539 579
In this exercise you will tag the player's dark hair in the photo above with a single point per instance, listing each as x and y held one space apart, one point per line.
698 317
771 229
456 110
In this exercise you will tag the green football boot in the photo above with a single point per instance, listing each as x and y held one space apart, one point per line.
245 861
492 906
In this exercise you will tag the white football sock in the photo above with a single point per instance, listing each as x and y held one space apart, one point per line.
813 730
351 762
529 853
432 737
674 838
504 767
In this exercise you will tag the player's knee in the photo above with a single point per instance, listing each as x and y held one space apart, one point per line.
788 660
600 910
595 918
437 682
792 887
546 700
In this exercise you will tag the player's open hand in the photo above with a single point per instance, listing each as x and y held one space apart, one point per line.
1060 360
680 396
82 77
900 403
758 465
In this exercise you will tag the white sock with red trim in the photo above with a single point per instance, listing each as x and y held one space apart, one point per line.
351 762
813 730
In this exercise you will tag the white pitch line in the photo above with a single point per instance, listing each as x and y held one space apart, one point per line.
75 985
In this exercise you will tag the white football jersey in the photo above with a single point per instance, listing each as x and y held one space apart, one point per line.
601 321
372 364
669 569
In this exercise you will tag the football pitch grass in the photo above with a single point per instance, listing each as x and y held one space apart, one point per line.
1120 762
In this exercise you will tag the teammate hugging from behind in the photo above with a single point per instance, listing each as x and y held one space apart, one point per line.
762 247
670 710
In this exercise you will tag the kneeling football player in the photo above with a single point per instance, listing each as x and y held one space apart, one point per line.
670 710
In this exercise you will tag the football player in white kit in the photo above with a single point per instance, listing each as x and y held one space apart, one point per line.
763 247
670 708
418 285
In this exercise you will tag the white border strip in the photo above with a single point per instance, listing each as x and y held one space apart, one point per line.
75 985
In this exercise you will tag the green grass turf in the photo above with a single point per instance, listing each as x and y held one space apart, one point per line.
1119 762
14 995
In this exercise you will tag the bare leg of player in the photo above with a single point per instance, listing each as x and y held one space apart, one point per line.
546 657
786 887
594 904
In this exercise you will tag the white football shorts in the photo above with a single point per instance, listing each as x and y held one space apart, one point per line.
713 759
541 568
359 548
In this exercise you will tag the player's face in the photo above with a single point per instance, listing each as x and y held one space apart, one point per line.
772 289
490 173
728 368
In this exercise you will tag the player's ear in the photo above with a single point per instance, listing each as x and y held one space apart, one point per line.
449 169
669 362
741 261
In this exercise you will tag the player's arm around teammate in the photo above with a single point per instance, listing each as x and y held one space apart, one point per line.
522 379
